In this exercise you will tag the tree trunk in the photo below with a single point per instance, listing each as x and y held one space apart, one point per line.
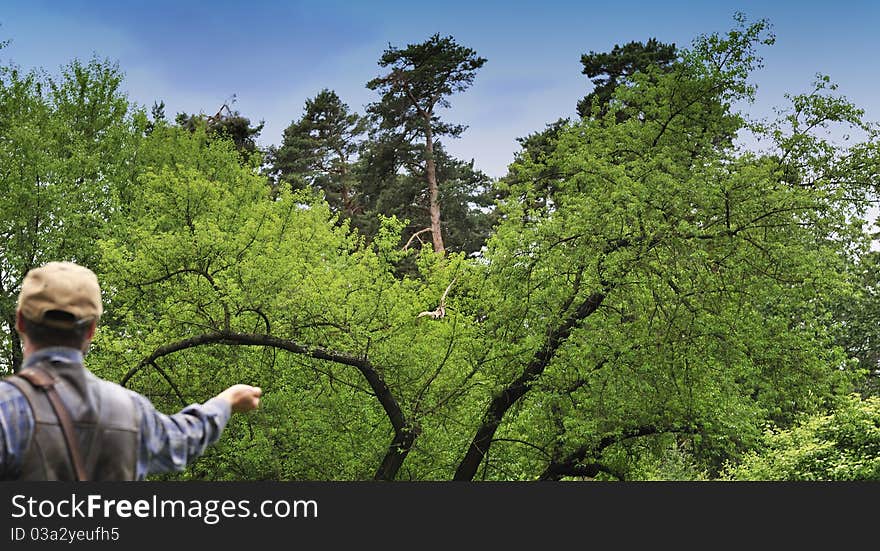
15 346
397 452
505 399
15 354
433 189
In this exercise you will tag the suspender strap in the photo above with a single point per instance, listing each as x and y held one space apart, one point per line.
40 378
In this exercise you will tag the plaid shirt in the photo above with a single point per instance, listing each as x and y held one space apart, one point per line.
167 442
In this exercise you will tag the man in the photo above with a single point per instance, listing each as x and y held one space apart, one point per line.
58 421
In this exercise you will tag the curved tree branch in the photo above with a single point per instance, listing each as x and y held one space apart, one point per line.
414 236
405 432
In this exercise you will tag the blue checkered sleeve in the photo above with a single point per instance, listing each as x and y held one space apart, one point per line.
16 429
171 442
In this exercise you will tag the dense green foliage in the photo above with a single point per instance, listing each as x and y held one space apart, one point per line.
608 70
67 157
646 298
841 445
858 318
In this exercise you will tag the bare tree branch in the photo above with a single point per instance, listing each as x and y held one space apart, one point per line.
440 311
415 235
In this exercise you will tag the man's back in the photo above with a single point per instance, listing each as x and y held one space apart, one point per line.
104 416
80 426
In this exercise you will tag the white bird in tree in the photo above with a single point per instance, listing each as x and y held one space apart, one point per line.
440 311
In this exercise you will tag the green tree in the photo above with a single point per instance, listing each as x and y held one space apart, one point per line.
674 287
215 280
67 152
841 445
320 149
608 70
421 78
226 124
858 319
393 185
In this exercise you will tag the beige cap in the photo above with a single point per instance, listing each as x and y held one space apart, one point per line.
60 287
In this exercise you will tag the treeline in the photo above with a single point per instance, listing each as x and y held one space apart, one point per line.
638 298
389 161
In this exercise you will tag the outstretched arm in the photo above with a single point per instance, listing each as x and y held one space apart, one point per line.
171 442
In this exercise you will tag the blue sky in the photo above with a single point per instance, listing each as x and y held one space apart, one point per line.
274 55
